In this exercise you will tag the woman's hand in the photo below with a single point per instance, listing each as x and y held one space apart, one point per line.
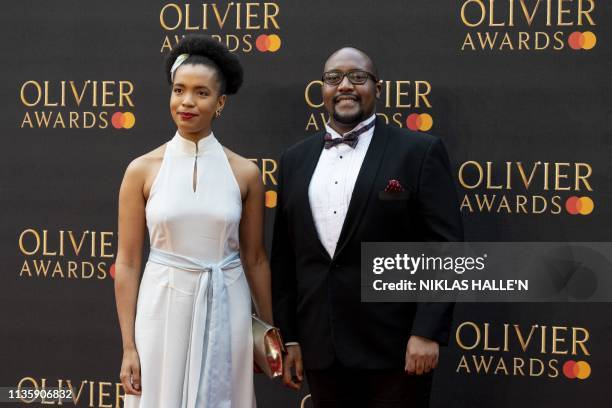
130 372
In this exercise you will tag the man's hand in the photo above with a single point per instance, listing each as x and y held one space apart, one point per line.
293 359
421 355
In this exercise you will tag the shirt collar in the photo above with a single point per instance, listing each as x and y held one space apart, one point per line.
186 146
361 124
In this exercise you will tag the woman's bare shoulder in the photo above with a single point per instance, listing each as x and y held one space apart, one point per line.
244 167
148 159
245 171
143 165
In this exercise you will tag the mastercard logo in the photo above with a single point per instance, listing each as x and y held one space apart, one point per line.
576 369
271 198
582 41
419 122
268 43
579 205
123 120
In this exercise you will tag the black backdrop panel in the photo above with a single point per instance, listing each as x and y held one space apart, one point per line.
518 90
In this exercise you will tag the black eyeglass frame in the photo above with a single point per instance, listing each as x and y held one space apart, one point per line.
346 74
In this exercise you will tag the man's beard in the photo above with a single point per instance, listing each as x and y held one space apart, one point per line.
349 119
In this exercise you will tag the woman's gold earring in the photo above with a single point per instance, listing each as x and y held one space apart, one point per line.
218 113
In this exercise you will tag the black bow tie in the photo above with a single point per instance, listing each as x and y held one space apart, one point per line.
350 138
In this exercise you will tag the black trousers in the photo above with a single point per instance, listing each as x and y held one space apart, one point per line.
340 387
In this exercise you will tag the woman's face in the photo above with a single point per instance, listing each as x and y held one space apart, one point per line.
195 98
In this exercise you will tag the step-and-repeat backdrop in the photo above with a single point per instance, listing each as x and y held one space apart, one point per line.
518 89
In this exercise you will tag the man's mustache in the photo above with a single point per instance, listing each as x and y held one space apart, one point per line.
353 96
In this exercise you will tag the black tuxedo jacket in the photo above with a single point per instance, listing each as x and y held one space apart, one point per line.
317 298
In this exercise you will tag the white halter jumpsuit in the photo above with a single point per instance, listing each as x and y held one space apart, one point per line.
193 318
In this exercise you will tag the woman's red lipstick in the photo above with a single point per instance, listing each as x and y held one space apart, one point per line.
186 115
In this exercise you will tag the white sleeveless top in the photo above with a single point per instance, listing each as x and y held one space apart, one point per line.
203 223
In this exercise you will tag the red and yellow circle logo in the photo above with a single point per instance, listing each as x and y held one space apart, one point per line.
577 369
579 205
419 122
268 43
582 41
271 198
123 120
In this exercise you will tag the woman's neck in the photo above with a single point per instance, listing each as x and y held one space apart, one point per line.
195 136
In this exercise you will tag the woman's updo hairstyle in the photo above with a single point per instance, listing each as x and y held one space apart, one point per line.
205 50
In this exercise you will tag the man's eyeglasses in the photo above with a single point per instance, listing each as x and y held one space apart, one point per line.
356 77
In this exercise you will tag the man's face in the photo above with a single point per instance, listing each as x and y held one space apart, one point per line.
348 103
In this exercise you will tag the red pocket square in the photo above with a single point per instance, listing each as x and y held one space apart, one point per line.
394 186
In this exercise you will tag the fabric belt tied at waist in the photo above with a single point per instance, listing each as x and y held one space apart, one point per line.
208 374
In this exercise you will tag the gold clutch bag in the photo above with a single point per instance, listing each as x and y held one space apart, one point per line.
268 348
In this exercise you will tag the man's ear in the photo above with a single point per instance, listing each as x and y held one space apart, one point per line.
379 88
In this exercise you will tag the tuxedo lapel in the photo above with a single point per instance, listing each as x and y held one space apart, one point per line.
309 163
363 186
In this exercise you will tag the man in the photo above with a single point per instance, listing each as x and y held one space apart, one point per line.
359 181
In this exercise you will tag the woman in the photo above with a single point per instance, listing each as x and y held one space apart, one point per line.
186 329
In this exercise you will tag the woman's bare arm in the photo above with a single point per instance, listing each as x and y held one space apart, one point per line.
253 252
129 255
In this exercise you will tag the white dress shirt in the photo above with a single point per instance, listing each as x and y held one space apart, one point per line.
332 184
